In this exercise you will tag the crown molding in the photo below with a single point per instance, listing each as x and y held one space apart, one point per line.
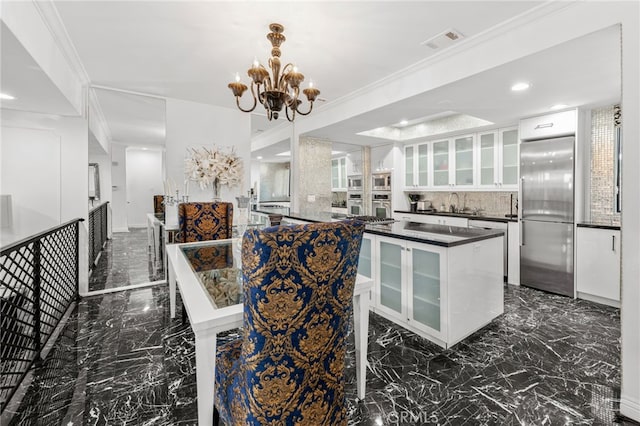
96 110
53 21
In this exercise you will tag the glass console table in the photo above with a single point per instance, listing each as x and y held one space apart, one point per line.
208 275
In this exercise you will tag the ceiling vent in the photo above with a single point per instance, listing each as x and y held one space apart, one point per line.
444 39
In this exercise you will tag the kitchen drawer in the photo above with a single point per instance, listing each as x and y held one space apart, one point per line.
548 126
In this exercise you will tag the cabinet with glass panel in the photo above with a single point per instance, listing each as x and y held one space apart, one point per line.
497 160
416 166
408 288
339 174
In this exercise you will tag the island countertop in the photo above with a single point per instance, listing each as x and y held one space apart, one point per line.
439 235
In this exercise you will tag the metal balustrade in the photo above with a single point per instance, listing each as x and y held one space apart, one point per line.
97 232
38 284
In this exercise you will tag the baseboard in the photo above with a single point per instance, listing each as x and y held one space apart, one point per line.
629 408
598 299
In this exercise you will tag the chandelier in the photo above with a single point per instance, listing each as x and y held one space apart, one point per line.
278 90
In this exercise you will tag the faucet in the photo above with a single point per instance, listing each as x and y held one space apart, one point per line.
452 207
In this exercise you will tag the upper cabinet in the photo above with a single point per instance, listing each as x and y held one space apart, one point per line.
497 159
416 160
339 174
482 161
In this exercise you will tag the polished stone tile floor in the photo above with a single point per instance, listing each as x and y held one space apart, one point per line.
548 360
126 260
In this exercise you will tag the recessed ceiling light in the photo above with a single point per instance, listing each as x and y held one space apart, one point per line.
404 122
558 106
5 96
518 87
284 154
259 157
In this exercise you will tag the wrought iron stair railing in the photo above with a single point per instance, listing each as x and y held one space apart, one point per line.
38 285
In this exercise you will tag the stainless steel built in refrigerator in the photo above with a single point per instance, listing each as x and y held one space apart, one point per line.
547 197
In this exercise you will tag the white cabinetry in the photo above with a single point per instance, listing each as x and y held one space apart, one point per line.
549 125
463 161
339 174
598 265
416 165
409 288
485 224
497 159
441 293
479 161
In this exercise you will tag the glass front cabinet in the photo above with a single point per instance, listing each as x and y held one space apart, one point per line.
416 165
480 161
497 160
411 286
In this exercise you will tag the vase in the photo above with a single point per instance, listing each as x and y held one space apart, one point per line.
217 195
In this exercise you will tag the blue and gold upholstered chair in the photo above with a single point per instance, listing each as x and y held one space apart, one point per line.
158 205
288 367
204 221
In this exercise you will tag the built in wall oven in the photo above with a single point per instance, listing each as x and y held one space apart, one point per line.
381 181
355 205
354 183
381 204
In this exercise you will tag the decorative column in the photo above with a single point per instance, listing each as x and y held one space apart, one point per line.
314 171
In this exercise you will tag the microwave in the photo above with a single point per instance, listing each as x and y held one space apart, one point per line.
381 181
354 183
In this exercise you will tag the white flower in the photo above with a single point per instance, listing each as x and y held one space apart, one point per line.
208 165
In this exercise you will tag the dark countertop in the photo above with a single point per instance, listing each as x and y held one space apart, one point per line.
463 215
598 226
439 235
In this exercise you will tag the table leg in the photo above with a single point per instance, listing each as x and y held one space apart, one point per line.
172 291
361 331
205 375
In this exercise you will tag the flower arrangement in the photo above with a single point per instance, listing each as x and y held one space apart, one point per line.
214 167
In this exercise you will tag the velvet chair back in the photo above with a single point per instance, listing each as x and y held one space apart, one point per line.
298 297
158 204
204 221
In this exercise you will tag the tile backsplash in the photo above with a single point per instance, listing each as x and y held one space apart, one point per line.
489 203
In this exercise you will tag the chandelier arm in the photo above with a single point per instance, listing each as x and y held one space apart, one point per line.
255 102
293 114
308 112
284 73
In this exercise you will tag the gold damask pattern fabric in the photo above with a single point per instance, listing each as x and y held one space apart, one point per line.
158 204
204 221
298 292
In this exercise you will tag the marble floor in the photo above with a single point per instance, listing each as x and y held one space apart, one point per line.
548 360
125 260
120 360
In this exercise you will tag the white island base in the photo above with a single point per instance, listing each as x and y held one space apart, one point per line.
441 293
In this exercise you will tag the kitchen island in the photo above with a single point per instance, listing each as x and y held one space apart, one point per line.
441 282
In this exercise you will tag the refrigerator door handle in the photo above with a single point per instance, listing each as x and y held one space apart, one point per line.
521 233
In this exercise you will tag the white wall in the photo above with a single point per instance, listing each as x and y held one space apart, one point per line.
119 184
144 180
191 124
72 133
30 173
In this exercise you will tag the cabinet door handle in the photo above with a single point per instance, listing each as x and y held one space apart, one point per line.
544 126
522 233
613 243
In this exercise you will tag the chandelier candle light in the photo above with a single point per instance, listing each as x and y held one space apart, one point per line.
279 89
